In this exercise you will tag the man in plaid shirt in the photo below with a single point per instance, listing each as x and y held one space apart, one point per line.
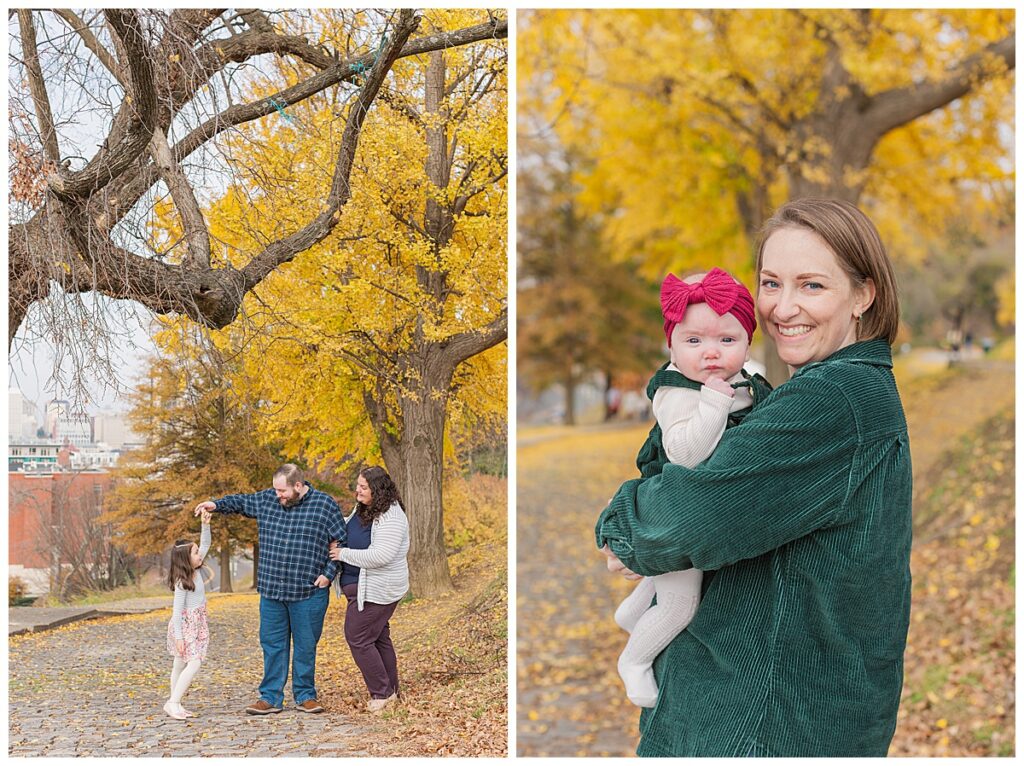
296 525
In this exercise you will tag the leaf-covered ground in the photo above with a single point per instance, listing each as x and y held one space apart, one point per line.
103 681
453 667
959 678
452 651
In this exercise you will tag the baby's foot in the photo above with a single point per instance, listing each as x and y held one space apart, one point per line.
175 711
188 713
634 605
627 615
641 688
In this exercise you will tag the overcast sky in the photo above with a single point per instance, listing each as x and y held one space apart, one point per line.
33 367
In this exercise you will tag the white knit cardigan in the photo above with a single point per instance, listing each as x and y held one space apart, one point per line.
383 571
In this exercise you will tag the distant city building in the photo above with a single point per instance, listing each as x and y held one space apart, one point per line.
23 419
27 454
74 428
93 456
112 430
55 409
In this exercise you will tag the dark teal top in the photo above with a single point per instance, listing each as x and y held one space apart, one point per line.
805 511
358 539
652 456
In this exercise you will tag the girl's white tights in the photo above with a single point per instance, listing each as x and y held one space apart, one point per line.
652 628
181 676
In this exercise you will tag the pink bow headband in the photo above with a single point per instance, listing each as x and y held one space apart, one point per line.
719 290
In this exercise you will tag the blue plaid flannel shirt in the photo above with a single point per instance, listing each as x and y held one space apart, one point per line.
293 541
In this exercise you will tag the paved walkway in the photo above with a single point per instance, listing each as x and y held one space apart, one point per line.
32 619
96 688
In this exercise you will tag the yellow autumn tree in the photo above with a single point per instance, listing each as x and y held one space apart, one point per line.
197 430
701 122
385 338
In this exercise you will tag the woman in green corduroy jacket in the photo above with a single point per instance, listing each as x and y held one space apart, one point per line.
801 520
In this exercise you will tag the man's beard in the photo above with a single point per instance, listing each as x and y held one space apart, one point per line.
292 502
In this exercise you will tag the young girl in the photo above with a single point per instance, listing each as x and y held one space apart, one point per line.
709 323
187 633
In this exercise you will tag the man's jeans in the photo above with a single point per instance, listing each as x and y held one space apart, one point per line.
291 622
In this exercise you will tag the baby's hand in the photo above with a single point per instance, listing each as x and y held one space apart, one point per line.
719 385
207 516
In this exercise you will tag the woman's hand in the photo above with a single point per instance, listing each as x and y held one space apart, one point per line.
617 567
335 552
179 645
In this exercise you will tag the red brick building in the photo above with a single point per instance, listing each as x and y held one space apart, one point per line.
52 523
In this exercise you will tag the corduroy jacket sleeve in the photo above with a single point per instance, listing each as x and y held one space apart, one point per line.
778 476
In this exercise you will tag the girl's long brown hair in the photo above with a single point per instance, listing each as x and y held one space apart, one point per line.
383 491
182 570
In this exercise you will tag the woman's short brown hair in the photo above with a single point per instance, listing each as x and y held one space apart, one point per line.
854 240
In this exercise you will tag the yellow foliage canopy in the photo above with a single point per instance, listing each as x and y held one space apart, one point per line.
700 122
354 317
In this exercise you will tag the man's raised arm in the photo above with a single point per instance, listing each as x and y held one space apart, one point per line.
247 505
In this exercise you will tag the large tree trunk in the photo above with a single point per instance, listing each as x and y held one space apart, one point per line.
255 562
415 463
570 398
225 569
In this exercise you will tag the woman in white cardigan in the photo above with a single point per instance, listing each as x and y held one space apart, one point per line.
374 577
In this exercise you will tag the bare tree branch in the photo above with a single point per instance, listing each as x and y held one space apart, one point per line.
196 234
893 108
91 42
285 249
37 86
133 125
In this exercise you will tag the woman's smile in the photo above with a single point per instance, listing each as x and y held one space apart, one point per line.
793 332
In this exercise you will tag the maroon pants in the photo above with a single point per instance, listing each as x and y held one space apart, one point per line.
369 638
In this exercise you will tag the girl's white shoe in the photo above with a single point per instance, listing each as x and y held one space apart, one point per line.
175 711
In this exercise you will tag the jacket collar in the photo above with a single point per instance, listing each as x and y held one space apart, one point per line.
875 352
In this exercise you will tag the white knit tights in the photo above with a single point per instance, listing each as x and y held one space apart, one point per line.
181 676
652 628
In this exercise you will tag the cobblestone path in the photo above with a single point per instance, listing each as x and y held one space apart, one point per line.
96 688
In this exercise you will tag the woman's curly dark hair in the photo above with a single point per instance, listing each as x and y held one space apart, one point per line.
181 570
383 491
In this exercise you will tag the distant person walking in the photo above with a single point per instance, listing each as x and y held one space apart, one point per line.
188 634
296 525
374 578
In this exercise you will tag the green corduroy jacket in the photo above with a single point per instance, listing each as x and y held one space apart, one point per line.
804 511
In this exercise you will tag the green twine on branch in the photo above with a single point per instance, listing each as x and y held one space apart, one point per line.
280 110
359 68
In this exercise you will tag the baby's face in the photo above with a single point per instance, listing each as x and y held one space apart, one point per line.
706 344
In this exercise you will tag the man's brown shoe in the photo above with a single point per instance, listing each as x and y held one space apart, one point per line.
310 706
262 707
